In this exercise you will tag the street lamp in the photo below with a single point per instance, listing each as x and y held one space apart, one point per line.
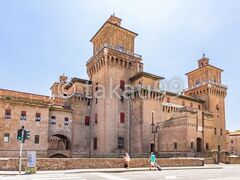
153 130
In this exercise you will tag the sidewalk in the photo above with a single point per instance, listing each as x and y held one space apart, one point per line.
112 170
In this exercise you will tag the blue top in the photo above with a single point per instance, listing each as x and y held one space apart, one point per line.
153 158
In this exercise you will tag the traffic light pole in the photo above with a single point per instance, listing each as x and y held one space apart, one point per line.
20 157
20 153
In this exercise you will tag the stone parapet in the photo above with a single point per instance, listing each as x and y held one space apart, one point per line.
85 163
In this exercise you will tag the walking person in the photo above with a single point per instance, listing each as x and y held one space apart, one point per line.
152 161
127 159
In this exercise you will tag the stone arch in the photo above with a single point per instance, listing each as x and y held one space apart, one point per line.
59 142
58 156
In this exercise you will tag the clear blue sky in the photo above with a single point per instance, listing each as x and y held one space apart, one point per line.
41 39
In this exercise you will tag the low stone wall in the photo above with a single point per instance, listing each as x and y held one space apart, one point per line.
234 160
209 161
84 163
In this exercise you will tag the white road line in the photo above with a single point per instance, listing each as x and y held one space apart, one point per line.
109 176
60 178
63 177
171 177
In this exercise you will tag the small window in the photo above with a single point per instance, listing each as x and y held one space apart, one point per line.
221 132
95 143
215 131
23 115
183 103
66 121
96 100
38 117
120 143
96 118
175 145
192 145
53 120
36 139
88 103
6 137
232 141
168 100
217 107
122 85
8 114
207 146
122 99
96 87
199 107
87 120
122 117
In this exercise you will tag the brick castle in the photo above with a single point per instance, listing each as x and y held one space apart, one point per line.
84 118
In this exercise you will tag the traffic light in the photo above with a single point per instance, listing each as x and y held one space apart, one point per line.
19 135
26 135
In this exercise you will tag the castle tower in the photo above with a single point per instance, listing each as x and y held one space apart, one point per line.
205 82
112 64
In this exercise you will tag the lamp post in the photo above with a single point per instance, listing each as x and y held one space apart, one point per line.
153 130
130 106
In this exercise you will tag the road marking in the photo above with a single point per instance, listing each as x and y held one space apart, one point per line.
63 177
108 176
171 177
57 178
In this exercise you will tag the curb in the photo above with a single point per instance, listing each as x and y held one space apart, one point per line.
9 173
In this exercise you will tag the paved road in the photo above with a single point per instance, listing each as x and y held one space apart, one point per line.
227 173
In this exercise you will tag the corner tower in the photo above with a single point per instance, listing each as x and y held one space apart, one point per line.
206 82
112 64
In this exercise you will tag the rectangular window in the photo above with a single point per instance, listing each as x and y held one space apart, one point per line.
96 87
207 146
122 117
192 145
122 99
6 137
23 115
66 121
199 107
175 145
96 100
87 120
8 114
96 118
36 139
38 117
122 85
95 143
168 100
215 131
183 103
221 132
120 143
53 120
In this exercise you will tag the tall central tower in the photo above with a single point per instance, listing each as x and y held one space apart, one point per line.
112 64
